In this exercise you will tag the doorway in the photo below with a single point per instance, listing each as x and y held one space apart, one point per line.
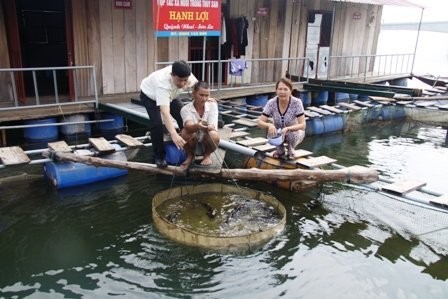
43 43
318 43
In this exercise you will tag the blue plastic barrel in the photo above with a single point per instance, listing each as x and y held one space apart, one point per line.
305 96
341 97
399 82
45 133
333 123
173 155
257 100
363 97
392 112
116 125
353 96
314 126
373 113
319 98
69 174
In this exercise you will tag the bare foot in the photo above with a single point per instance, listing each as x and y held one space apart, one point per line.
186 163
206 161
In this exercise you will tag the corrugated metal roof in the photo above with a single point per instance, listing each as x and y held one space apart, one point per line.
387 2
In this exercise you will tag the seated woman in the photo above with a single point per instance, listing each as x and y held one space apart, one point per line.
200 119
288 116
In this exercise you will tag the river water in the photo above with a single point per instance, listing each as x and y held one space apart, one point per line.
340 240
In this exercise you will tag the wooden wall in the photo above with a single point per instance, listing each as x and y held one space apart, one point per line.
129 50
120 43
353 36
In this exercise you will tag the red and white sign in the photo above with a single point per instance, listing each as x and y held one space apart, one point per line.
123 3
187 17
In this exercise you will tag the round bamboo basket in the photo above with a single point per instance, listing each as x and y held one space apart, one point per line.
190 237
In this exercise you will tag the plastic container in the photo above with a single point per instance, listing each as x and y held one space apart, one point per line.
116 125
314 126
341 97
353 96
45 133
333 123
173 155
69 174
278 140
257 100
363 97
319 98
305 96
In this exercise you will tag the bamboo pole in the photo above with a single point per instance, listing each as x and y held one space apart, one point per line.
353 174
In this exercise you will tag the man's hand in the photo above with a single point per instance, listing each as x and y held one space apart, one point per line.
178 141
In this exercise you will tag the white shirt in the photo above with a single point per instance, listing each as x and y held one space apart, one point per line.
159 86
189 113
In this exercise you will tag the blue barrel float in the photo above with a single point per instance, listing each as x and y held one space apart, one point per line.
391 112
173 155
314 126
305 96
341 97
116 125
257 100
319 98
333 123
69 174
43 131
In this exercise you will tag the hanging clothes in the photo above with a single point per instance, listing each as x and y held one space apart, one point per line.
242 26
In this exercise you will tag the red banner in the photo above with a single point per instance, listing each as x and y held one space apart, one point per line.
187 17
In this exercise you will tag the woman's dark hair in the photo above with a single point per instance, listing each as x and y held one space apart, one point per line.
285 81
200 84
181 69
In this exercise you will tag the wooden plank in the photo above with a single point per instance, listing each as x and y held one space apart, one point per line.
217 156
101 145
319 110
13 155
442 107
425 104
252 141
350 106
246 122
130 53
364 104
264 147
59 146
315 161
440 201
332 109
311 114
238 134
107 52
403 187
301 153
129 141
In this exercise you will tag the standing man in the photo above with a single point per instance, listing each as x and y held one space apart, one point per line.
159 92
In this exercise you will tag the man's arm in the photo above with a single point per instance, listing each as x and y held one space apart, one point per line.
166 117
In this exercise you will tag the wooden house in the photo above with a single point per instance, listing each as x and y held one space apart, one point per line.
117 38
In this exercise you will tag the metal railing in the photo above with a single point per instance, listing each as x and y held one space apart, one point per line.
84 86
240 73
368 66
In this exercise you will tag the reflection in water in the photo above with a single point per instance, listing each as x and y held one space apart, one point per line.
339 241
